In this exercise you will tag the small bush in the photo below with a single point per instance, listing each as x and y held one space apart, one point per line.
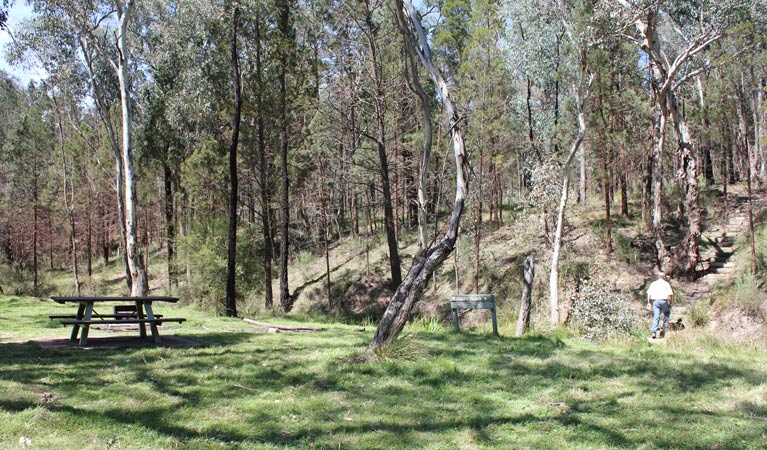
699 314
746 295
599 313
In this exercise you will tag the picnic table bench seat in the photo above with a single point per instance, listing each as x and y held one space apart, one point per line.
156 320
96 317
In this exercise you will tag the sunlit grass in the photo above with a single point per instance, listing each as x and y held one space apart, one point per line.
249 390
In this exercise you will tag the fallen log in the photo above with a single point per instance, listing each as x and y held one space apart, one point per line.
282 327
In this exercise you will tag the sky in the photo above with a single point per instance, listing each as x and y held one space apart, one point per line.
19 12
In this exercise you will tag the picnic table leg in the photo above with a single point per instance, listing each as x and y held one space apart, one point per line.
86 326
140 313
153 325
76 327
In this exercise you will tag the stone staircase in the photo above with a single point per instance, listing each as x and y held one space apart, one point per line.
718 245
721 246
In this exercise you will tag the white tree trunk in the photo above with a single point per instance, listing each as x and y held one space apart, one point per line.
581 95
139 281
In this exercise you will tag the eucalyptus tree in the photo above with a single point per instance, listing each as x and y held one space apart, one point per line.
407 294
96 33
4 13
675 58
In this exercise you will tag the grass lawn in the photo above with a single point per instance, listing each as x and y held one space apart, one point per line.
246 390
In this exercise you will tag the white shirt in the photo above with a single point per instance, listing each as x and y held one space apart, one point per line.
659 290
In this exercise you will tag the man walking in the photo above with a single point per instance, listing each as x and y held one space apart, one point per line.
659 297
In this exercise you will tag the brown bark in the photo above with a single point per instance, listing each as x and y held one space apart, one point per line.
523 321
231 267
286 301
380 141
263 176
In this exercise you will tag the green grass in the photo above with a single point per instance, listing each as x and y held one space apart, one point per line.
244 390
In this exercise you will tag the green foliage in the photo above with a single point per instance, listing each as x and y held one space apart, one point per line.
745 294
600 313
206 252
699 314
428 324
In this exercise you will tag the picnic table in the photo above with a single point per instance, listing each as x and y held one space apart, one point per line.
139 312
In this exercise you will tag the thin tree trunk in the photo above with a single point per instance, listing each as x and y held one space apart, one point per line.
624 194
35 194
286 301
231 268
89 237
263 174
106 119
378 97
478 220
582 178
523 321
170 223
423 171
581 94
68 191
608 218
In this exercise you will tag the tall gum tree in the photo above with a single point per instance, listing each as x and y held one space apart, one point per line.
408 292
705 25
99 32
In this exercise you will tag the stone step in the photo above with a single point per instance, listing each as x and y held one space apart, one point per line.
723 241
722 265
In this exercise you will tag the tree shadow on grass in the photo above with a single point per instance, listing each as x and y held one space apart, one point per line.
410 400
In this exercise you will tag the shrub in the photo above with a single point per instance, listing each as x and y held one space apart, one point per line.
599 313
699 314
745 294
206 252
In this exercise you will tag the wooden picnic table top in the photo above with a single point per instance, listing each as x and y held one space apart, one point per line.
96 299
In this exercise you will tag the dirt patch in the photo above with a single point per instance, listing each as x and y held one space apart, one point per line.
739 327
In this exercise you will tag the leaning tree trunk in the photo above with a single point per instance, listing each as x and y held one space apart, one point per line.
106 120
408 292
423 178
523 322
